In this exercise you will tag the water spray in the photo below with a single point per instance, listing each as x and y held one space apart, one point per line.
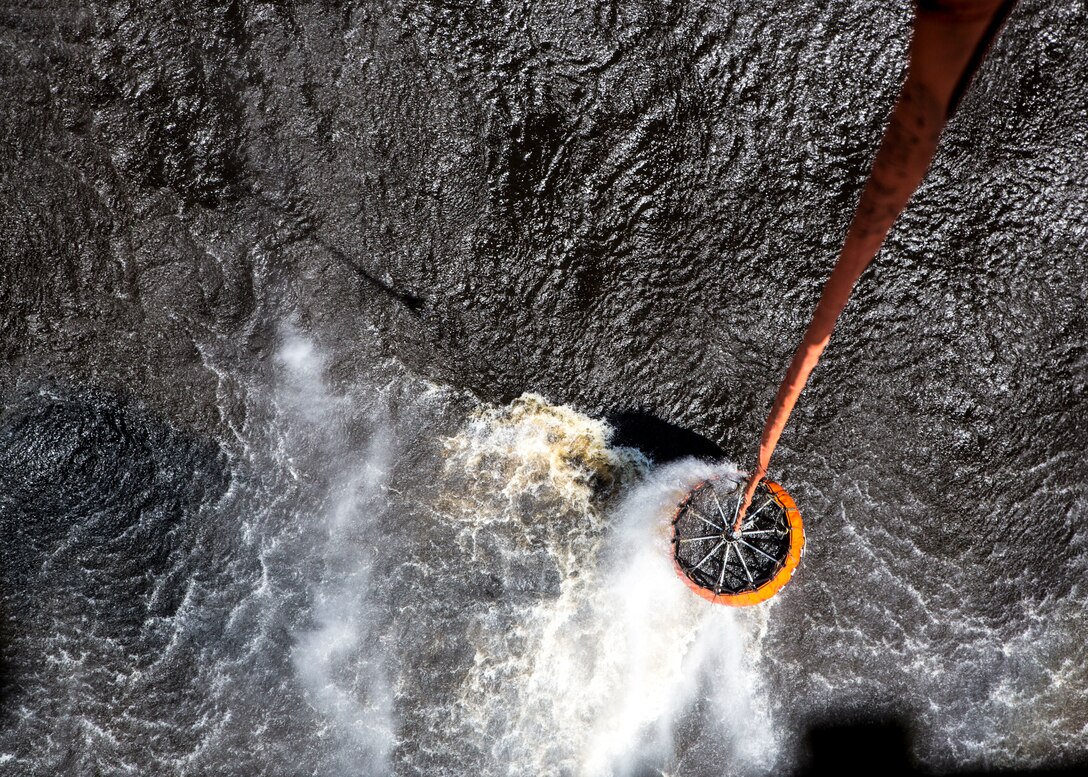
951 38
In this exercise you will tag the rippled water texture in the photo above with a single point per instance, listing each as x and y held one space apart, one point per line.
312 318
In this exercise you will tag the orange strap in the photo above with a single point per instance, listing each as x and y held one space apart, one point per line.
950 41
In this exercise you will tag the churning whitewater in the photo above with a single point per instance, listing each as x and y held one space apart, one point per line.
593 679
392 577
593 653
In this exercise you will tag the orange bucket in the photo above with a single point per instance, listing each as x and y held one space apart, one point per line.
737 569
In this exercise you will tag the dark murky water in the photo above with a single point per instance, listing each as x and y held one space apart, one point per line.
274 277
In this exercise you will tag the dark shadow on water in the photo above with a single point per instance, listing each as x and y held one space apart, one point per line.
107 514
859 748
661 441
883 747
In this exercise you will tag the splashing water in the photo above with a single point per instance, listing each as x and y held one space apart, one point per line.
343 675
355 594
594 680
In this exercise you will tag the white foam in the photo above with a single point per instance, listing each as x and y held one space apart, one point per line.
595 680
629 652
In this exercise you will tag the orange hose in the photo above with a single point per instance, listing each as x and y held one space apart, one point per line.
950 40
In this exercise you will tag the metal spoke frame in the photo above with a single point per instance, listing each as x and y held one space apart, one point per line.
736 563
